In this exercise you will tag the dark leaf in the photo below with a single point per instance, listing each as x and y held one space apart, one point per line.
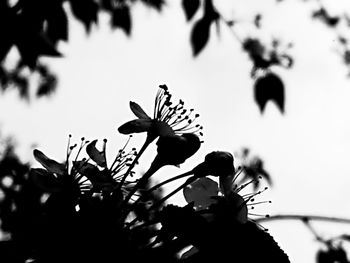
269 88
85 11
49 164
121 18
209 10
332 255
57 25
345 237
157 4
21 83
324 16
98 157
5 46
7 20
32 45
200 35
107 4
190 7
267 248
257 20
47 85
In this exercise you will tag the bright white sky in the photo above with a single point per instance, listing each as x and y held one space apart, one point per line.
305 150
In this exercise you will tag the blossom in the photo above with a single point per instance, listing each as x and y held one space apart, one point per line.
79 176
168 119
225 198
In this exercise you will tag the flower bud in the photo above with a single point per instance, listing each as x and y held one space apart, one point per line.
175 149
216 163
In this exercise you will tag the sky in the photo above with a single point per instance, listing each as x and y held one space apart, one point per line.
305 150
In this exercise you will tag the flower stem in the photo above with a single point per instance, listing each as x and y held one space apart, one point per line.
143 148
168 181
153 168
304 218
189 181
146 193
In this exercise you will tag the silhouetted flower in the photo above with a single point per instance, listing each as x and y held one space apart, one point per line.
108 178
216 163
168 119
205 192
79 175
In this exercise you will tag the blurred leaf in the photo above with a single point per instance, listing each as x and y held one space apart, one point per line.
49 164
57 25
157 4
253 169
323 15
121 18
47 85
190 7
22 85
31 45
107 4
332 255
345 237
201 192
85 11
98 157
269 88
257 20
5 46
200 34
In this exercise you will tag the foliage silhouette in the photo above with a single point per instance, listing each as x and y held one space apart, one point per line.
35 29
88 209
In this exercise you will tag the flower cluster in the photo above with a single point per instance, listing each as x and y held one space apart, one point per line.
81 176
103 210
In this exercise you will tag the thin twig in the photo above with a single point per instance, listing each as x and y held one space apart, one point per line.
303 218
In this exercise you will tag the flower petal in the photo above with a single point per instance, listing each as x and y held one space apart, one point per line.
98 157
193 250
201 192
45 180
135 126
138 111
49 164
99 179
